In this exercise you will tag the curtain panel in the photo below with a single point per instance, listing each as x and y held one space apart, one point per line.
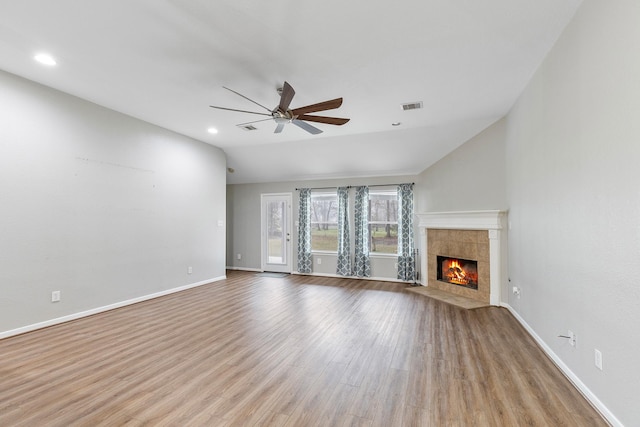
406 257
305 263
344 239
362 262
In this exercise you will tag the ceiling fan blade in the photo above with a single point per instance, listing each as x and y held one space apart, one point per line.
254 121
306 126
322 119
286 97
321 106
239 111
248 99
279 128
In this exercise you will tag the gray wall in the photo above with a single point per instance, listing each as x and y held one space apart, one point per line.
573 185
243 209
470 178
100 206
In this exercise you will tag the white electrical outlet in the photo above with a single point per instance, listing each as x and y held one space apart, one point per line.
516 291
55 296
598 359
319 261
239 256
189 270
572 338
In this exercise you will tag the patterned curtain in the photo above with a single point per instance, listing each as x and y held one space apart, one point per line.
406 258
304 232
362 264
344 241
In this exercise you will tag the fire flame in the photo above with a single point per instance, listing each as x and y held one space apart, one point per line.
455 273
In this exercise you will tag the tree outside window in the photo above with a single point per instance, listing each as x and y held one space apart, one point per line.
383 221
324 222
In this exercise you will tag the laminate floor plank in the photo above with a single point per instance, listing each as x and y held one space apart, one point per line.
291 351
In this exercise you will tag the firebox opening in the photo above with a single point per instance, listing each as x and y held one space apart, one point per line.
458 271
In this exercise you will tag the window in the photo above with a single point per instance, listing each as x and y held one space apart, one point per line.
383 221
324 222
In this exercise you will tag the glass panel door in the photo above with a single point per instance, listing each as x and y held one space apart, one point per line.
276 232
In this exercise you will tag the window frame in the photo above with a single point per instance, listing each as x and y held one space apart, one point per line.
313 223
374 192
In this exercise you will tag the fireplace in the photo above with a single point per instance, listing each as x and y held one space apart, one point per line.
457 271
470 248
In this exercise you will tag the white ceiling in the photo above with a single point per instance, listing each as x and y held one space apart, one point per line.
165 62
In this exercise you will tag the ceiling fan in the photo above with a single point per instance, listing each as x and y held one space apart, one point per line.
282 115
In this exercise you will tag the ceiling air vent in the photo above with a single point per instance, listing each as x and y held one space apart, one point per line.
248 127
412 105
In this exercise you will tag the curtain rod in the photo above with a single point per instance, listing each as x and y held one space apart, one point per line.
353 186
319 188
388 185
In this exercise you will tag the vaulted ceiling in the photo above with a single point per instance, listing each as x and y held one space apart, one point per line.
166 62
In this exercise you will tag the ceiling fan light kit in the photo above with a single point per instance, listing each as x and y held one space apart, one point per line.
283 115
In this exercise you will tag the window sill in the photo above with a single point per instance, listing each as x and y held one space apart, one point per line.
371 255
382 255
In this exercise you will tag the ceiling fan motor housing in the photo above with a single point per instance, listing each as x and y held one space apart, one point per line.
281 117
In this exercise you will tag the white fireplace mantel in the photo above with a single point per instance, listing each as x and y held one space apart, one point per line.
491 220
463 220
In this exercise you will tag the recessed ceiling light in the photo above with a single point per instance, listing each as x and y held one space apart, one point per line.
45 59
212 131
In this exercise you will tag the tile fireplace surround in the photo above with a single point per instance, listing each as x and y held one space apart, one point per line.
476 235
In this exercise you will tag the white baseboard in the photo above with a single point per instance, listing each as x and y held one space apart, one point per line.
97 310
337 276
578 384
243 269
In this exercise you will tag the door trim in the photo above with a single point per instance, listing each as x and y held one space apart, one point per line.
288 223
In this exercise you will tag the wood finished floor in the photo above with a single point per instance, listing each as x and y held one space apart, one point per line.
298 351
